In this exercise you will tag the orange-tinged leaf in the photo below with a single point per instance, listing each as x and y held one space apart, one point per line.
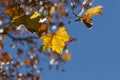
62 11
50 19
27 61
66 57
6 58
56 41
86 18
51 56
43 28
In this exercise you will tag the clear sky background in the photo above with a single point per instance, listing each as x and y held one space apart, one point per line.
96 54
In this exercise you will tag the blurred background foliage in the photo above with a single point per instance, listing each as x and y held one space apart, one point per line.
22 23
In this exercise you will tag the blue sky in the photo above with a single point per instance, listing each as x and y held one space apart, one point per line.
96 54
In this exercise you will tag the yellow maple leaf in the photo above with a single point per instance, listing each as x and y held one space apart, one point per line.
56 41
86 18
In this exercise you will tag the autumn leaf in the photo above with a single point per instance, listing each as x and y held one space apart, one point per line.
51 56
27 61
52 10
47 41
87 17
50 19
14 11
42 28
56 41
66 57
5 58
30 21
